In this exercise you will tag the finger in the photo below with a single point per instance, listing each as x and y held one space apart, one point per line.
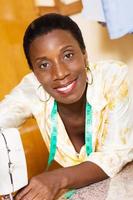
22 193
39 197
31 195
43 197
6 197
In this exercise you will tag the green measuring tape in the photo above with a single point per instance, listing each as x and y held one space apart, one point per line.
54 133
53 139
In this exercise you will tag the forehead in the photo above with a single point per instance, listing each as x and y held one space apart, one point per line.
54 38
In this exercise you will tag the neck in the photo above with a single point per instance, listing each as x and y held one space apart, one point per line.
74 108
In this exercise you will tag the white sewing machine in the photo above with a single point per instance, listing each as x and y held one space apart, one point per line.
13 170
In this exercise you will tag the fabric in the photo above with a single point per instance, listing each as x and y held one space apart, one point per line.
93 10
122 182
116 188
112 132
118 16
10 138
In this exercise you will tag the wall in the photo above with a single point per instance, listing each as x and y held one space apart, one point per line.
14 17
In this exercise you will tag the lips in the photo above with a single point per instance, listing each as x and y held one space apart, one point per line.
67 88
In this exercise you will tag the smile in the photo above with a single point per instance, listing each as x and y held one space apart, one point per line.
66 89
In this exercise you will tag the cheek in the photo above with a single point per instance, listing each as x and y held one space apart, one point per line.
80 69
78 65
83 76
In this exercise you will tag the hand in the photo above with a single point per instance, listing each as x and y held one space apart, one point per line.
42 187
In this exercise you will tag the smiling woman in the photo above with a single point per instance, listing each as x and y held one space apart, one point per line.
84 124
62 63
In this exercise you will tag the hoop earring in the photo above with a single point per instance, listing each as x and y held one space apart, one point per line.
43 95
89 75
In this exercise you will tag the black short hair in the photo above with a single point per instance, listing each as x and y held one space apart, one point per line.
47 23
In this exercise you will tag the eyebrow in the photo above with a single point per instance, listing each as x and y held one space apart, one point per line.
68 46
40 58
45 58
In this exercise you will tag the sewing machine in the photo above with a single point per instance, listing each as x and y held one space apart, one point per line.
31 153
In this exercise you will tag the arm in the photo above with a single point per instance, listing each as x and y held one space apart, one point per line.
48 184
115 152
80 175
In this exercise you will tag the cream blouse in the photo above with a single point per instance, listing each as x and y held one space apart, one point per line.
108 95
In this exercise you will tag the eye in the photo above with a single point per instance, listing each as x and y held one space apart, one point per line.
44 65
68 56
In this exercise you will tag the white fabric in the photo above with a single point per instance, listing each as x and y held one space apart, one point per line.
119 17
117 14
121 186
93 10
18 162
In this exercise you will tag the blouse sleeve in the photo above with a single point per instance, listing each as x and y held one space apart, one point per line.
15 107
117 143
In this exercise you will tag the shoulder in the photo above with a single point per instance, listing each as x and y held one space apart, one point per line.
30 79
109 70
109 77
27 86
108 65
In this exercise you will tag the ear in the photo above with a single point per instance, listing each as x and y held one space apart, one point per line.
85 58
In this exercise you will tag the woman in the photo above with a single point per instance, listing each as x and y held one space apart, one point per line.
81 108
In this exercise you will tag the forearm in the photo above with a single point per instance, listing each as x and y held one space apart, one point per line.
50 183
80 175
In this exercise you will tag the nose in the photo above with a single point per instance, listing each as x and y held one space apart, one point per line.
60 71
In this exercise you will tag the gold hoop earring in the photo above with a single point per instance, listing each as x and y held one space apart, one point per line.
42 94
89 75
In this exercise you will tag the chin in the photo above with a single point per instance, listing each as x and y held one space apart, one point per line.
69 100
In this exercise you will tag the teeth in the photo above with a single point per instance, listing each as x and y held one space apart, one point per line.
65 88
